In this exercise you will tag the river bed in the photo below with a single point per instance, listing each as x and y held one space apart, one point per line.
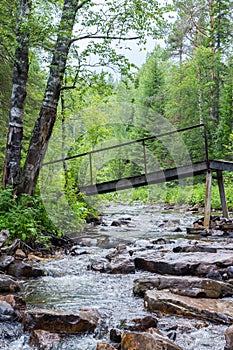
71 285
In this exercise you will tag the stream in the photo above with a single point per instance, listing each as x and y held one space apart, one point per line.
70 285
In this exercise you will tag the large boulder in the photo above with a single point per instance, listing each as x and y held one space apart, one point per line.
146 341
19 269
213 310
183 263
189 286
82 321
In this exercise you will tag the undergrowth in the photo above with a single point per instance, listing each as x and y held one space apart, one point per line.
26 218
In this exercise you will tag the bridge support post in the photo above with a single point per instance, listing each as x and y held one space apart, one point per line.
222 194
207 212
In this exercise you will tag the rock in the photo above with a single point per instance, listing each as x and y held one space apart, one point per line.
104 346
189 286
214 274
194 249
83 321
20 269
116 223
7 313
12 306
229 338
4 234
44 340
142 324
121 265
146 341
115 335
121 249
8 284
19 254
213 310
99 265
182 263
229 271
116 262
161 241
5 261
10 250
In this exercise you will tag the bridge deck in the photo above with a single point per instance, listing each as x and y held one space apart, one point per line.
155 177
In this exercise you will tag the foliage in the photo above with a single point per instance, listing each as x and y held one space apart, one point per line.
25 218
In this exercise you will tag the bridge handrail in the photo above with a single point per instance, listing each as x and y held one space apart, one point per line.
137 141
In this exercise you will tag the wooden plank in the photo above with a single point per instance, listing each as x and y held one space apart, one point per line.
148 179
222 194
221 165
207 212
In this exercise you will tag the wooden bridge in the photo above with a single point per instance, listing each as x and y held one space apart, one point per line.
193 168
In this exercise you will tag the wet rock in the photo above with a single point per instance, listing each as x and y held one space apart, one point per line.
116 262
146 341
213 310
104 346
143 324
229 338
83 321
121 249
194 249
116 223
5 261
182 263
8 284
115 335
189 286
161 241
4 234
19 254
99 265
78 250
214 274
44 340
10 250
20 269
229 271
16 303
7 313
121 266
120 222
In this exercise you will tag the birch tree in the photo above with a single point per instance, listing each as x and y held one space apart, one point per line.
97 24
11 170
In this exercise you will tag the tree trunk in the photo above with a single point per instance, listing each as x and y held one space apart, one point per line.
47 117
11 168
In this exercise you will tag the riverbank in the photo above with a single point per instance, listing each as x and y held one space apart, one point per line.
103 270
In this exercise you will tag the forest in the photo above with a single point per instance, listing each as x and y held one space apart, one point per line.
67 87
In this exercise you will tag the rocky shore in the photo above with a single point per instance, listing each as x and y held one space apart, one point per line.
188 278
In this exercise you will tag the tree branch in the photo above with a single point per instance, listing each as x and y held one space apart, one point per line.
90 36
81 5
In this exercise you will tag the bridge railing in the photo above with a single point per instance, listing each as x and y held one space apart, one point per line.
166 150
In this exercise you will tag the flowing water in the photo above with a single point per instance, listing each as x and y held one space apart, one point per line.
71 285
